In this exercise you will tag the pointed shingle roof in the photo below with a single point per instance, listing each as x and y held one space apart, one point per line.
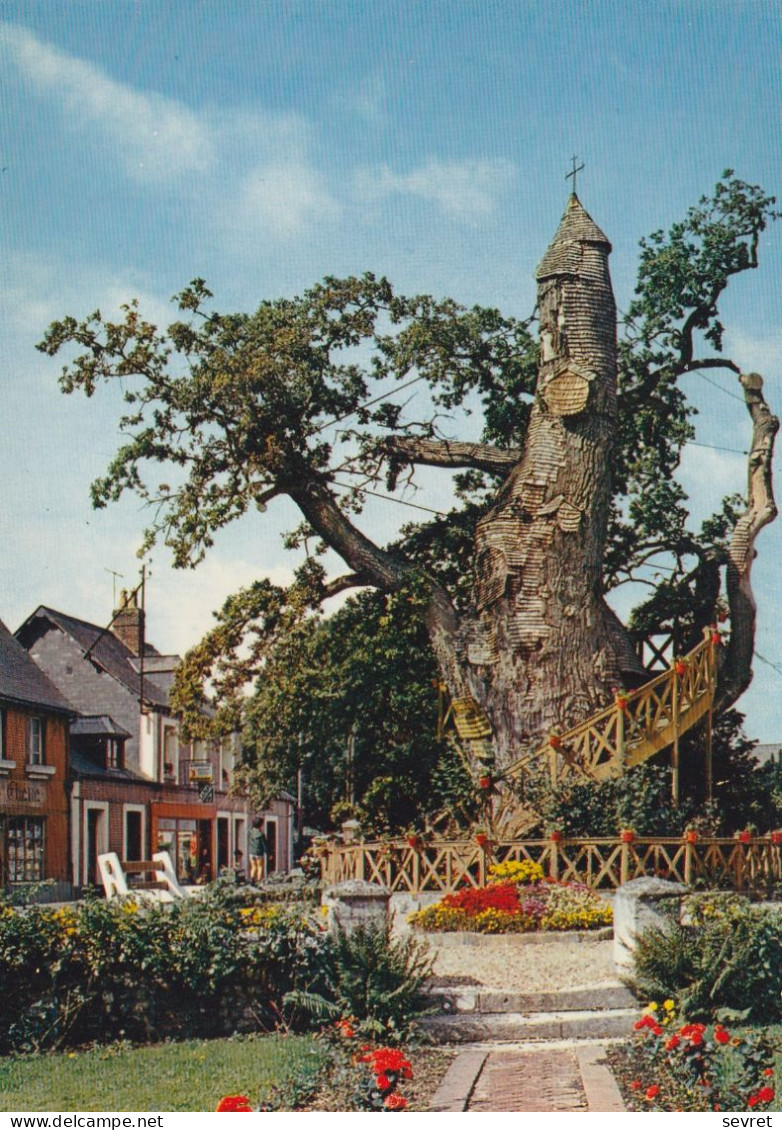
576 228
22 681
105 649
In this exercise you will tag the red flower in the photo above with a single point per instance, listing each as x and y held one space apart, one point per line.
233 1104
672 1043
383 1082
652 1092
765 1095
752 1101
636 1085
721 1036
768 1070
395 1102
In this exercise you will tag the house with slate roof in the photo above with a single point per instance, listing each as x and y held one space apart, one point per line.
34 719
135 785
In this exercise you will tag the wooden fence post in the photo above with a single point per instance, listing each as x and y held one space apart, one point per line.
554 859
624 867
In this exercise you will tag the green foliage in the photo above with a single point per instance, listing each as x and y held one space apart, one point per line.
352 699
640 800
107 970
727 955
373 978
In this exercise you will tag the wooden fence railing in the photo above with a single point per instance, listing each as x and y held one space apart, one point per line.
446 865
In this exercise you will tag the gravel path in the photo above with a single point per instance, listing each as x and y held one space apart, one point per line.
524 962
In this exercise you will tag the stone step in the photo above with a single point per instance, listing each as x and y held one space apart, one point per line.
466 999
506 1027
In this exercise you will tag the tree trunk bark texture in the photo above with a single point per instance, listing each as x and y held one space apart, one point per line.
548 648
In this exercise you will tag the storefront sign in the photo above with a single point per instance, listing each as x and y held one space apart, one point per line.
207 794
23 794
199 771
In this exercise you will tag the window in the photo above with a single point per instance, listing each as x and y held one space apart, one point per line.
35 741
25 839
113 754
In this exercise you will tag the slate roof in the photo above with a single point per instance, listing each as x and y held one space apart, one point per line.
576 227
22 681
97 726
82 766
108 651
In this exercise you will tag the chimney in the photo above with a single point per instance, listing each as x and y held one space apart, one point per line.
129 622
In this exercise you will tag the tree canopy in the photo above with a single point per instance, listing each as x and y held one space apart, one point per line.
300 398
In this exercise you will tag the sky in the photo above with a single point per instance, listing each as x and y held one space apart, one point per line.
262 146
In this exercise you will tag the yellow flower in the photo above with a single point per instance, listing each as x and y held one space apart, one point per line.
669 1006
652 1006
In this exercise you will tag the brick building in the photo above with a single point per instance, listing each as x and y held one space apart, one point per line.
135 785
34 720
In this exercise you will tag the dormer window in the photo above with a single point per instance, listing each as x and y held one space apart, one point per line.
113 754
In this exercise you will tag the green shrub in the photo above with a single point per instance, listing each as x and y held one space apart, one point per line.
724 961
372 978
113 970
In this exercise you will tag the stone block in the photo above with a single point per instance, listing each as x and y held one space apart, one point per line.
640 905
356 903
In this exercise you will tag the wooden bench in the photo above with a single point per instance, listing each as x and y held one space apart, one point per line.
124 877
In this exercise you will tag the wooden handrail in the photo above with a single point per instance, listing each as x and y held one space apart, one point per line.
628 732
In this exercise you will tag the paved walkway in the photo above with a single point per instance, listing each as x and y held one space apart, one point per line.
552 1078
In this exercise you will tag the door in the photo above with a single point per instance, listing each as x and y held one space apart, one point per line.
222 844
94 816
270 832
133 835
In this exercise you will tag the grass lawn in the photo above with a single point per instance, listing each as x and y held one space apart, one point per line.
287 1072
189 1076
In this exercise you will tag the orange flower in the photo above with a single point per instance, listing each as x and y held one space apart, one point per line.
395 1102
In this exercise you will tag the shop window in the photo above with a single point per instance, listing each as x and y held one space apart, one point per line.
35 750
25 848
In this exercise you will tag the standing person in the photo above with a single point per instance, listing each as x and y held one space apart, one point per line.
257 849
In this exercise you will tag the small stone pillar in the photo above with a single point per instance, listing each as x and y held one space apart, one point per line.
639 905
356 903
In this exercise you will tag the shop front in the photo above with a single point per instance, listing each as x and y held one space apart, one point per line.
188 833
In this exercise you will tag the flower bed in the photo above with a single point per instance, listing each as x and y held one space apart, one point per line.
518 900
674 1066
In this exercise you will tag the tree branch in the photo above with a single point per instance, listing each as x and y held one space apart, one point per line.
377 567
735 673
342 584
452 453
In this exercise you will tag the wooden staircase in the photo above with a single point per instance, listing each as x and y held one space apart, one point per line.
636 726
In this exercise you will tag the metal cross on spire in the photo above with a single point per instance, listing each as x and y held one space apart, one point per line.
574 171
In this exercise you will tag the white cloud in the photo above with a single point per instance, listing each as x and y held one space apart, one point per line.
762 354
464 189
156 137
283 199
708 475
